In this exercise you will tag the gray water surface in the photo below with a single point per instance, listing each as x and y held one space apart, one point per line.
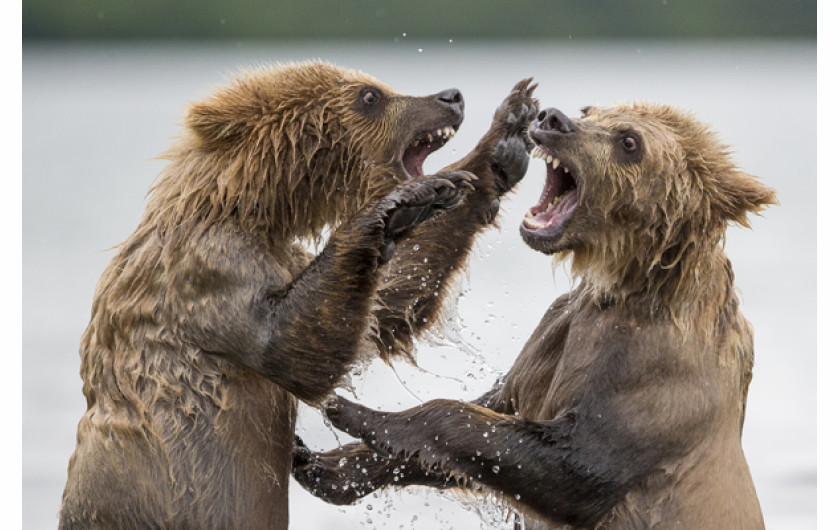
95 118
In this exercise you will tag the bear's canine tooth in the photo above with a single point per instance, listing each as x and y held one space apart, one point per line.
556 163
549 158
429 136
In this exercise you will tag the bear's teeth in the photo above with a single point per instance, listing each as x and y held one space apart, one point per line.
557 163
549 158
557 200
429 136
439 132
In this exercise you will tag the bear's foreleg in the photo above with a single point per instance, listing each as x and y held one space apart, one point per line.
303 334
347 473
545 465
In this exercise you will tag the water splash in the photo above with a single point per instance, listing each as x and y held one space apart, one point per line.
402 383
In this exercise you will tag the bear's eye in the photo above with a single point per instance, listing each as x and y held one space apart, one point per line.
370 97
630 143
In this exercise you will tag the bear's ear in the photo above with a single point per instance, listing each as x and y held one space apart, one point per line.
216 122
740 193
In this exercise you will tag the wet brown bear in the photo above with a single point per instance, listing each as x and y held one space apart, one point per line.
625 408
212 320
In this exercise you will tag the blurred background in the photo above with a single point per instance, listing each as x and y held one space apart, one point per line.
105 83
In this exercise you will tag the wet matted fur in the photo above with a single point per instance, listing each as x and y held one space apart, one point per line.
212 320
625 408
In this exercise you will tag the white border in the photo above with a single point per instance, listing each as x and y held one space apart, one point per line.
828 396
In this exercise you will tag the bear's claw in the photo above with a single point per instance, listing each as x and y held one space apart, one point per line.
510 156
419 200
519 108
301 455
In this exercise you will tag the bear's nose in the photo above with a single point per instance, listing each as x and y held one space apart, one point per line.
552 119
453 99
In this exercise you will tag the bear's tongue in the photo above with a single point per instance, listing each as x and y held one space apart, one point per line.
416 155
555 213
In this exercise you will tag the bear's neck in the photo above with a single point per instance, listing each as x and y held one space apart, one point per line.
692 290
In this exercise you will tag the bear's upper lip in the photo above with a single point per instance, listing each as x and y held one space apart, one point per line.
559 198
422 145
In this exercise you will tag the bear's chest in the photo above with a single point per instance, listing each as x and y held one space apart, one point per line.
568 352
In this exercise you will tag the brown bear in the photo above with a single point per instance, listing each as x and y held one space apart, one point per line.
212 320
625 408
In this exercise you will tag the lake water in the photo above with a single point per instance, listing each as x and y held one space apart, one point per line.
96 116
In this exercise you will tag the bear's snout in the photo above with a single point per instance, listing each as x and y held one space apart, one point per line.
453 99
553 120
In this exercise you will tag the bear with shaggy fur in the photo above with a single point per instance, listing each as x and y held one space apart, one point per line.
212 320
625 408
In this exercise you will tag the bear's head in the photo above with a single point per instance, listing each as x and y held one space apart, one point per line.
632 189
316 136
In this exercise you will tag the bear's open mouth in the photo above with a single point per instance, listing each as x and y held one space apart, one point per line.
422 146
559 198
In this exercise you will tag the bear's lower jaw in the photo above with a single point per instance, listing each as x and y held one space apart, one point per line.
545 231
422 146
548 240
